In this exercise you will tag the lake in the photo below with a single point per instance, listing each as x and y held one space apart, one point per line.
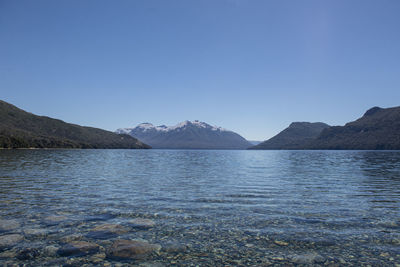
199 207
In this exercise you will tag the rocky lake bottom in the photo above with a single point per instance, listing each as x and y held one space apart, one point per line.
199 208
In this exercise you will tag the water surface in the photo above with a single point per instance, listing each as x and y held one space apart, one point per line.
210 208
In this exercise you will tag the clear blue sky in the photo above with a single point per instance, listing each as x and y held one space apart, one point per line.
249 66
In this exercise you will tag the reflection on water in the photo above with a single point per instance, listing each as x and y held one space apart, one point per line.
183 207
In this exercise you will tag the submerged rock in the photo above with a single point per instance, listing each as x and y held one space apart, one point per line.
308 258
36 232
28 254
8 254
281 243
99 217
10 240
131 249
97 258
151 264
78 248
51 250
115 228
107 231
140 223
70 238
9 225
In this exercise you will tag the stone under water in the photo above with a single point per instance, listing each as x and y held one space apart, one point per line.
131 249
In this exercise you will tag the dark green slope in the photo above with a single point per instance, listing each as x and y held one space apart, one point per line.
20 129
294 137
378 129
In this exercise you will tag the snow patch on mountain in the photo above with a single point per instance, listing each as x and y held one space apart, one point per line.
162 128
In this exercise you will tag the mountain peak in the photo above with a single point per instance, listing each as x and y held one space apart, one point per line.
146 124
298 123
372 111
181 124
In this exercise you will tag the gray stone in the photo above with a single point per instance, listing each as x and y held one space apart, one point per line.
78 248
307 258
107 231
140 223
97 258
54 219
37 232
114 228
8 254
10 240
9 225
70 238
131 249
151 264
28 254
281 243
51 251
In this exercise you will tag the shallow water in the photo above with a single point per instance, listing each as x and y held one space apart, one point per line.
209 208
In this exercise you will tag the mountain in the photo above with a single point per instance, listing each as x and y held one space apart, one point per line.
187 135
294 137
378 128
20 129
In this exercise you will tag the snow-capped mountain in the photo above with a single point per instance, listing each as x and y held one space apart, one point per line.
187 134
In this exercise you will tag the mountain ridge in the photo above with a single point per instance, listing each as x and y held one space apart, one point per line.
294 136
187 135
378 128
22 129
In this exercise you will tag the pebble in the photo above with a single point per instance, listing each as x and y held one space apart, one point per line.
10 240
281 243
131 249
96 258
74 262
151 264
